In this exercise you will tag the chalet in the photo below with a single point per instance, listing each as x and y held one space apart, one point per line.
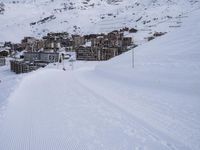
2 61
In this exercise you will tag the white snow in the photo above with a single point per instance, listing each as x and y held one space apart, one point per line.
109 105
102 17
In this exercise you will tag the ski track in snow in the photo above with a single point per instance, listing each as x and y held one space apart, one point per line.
9 82
73 117
109 106
152 107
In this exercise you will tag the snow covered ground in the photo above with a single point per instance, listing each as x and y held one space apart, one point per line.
91 16
109 105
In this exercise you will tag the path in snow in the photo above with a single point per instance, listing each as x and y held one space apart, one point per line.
44 113
8 83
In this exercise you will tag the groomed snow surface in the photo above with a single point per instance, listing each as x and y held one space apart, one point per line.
109 105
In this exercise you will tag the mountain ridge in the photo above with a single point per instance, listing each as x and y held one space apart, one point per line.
89 16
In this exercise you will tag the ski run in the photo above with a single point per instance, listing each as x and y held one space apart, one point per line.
109 105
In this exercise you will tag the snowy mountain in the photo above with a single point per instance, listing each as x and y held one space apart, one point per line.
109 105
38 17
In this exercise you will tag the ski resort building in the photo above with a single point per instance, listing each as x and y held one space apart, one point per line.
55 41
29 43
33 61
95 54
92 47
78 40
41 56
103 47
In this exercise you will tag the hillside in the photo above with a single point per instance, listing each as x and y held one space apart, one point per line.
37 17
109 105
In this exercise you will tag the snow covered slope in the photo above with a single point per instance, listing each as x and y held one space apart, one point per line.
163 89
38 17
154 106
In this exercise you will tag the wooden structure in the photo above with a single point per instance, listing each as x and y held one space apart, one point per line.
22 67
